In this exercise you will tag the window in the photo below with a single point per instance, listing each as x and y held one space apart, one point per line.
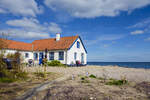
51 55
82 58
78 44
35 56
26 55
75 56
61 55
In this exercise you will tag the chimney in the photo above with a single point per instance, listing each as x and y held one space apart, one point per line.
57 36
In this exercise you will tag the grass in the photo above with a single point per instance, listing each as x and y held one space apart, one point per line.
7 80
116 82
40 74
8 76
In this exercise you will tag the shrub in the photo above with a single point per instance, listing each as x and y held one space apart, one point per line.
7 80
92 76
82 78
22 75
55 63
117 82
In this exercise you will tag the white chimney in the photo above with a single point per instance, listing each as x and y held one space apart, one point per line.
57 36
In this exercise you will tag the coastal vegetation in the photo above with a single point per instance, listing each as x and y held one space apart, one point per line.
55 63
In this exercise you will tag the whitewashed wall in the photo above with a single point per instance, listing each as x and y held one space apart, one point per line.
9 51
56 55
79 51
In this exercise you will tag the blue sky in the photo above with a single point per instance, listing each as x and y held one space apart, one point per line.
112 30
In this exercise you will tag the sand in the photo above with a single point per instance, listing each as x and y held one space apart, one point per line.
131 74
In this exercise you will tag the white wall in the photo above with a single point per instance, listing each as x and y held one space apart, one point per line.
9 51
79 51
56 55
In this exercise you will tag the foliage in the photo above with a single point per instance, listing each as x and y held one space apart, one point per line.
55 63
92 76
117 82
7 80
16 73
84 80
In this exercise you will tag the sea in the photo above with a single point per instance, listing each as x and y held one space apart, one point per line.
145 65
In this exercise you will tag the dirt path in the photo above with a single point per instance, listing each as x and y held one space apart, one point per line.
30 93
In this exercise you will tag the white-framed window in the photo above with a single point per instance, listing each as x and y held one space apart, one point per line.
35 56
26 55
51 55
78 44
61 55
75 56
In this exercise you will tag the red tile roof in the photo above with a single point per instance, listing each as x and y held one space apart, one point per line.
38 45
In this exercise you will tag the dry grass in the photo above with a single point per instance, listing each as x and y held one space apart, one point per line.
94 89
9 91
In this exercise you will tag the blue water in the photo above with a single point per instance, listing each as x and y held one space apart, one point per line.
145 65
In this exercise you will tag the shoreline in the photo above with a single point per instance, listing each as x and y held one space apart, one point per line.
117 66
120 66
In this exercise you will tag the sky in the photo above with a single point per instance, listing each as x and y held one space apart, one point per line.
112 30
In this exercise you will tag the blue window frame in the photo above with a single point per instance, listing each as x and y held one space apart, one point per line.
75 56
51 55
26 55
35 56
78 44
61 55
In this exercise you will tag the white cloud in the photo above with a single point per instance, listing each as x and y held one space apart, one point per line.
20 7
148 39
2 11
26 23
22 34
137 32
30 28
95 8
54 28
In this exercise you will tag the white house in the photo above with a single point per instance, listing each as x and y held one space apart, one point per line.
67 50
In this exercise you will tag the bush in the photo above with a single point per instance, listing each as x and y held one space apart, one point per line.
55 63
117 82
92 76
7 80
82 78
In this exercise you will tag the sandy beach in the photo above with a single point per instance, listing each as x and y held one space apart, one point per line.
131 74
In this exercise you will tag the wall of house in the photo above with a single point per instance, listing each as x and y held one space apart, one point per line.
79 51
9 51
56 55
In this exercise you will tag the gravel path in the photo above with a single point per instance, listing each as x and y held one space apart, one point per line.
131 74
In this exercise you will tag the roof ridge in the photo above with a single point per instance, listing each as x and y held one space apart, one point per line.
54 38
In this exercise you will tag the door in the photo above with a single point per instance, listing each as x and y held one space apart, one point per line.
41 56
